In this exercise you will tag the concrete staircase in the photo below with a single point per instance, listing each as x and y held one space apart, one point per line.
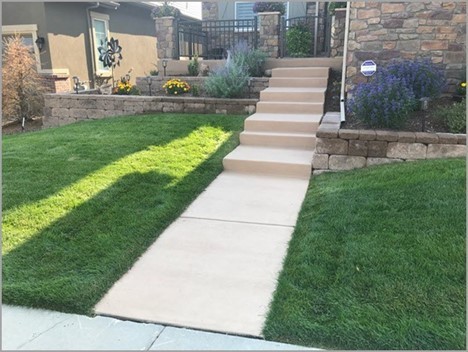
279 139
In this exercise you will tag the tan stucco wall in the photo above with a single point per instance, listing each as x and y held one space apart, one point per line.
65 27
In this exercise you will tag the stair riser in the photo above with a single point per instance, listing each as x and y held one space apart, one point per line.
278 141
281 126
289 108
302 73
312 97
270 168
280 82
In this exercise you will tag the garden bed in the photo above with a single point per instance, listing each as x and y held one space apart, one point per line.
418 121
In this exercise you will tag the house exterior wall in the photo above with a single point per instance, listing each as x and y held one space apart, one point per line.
68 46
225 10
408 30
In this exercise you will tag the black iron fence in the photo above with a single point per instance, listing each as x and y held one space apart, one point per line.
211 39
305 36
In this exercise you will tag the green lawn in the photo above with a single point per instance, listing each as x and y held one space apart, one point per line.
377 261
82 202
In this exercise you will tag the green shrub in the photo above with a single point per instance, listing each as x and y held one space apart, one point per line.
229 81
298 40
454 116
195 90
252 60
194 67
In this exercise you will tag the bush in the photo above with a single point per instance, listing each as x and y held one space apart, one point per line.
252 60
23 87
194 67
382 102
454 117
421 76
229 81
165 10
298 40
269 7
176 87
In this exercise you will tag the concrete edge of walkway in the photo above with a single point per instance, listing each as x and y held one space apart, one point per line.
38 329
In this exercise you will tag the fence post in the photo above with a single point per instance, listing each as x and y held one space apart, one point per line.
167 38
269 33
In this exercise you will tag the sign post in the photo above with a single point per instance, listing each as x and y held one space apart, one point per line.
368 68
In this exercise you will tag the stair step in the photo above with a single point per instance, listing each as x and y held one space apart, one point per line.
315 95
274 139
319 82
267 160
283 123
293 72
289 108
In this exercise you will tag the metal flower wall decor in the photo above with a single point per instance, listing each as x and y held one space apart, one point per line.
110 53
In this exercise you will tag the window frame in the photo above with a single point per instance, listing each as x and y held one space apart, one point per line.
106 19
30 29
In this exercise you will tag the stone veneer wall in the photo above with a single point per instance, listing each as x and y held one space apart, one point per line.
344 149
63 109
210 10
269 33
166 36
338 33
257 84
388 30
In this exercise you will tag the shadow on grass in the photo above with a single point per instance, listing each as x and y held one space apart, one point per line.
72 263
42 163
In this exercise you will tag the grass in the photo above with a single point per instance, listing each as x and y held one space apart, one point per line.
82 202
377 261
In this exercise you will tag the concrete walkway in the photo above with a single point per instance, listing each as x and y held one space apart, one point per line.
35 329
215 268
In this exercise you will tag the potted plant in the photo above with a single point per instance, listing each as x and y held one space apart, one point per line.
261 6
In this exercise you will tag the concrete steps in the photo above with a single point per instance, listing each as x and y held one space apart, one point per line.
267 160
286 123
287 94
279 139
308 82
281 107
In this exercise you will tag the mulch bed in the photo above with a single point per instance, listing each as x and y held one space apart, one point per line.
15 127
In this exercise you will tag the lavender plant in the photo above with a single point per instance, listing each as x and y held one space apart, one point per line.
423 77
253 60
382 102
229 81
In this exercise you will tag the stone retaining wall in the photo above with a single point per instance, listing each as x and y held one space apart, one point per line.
344 149
63 109
257 84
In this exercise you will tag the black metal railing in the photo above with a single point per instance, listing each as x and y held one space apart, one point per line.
305 36
211 39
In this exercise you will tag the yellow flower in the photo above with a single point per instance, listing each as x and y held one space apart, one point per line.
185 89
463 84
175 92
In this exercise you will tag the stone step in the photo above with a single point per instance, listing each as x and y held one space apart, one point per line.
289 108
293 72
282 123
315 95
308 82
270 161
281 140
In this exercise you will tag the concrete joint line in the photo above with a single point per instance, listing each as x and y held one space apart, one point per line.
237 221
156 339
43 332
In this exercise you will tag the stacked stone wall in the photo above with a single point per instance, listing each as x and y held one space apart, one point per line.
383 31
269 33
344 149
338 33
64 109
166 37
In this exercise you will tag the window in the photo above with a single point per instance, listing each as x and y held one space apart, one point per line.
100 24
244 10
28 34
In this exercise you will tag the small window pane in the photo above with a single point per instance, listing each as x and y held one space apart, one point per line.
100 33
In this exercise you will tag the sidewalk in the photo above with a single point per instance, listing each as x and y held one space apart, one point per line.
35 329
